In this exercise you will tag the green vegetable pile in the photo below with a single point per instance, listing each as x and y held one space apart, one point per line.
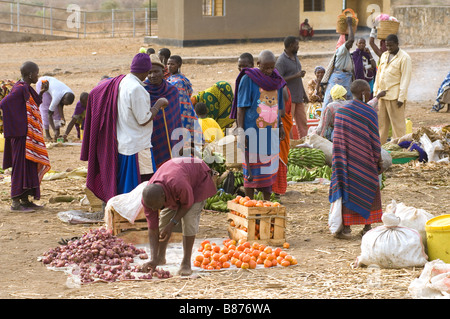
299 174
219 201
305 157
307 164
260 196
238 179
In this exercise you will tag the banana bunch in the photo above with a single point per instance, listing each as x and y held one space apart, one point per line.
219 201
300 174
305 157
383 180
322 172
260 196
238 179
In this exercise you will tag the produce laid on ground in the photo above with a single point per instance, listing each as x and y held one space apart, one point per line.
306 164
218 202
298 174
100 256
241 255
306 157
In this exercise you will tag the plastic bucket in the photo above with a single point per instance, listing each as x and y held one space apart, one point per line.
438 238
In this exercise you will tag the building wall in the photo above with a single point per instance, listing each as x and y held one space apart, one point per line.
322 20
182 20
326 20
171 19
363 10
423 25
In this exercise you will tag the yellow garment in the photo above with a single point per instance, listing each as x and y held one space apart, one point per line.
211 130
338 92
393 76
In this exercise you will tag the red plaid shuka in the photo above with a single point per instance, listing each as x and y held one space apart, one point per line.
349 217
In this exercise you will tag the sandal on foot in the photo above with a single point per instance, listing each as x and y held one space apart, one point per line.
32 205
21 209
341 235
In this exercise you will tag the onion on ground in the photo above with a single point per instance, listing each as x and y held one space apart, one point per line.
98 255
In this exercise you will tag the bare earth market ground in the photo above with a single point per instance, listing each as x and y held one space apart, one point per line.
323 269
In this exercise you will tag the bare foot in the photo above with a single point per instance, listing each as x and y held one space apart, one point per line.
185 270
345 233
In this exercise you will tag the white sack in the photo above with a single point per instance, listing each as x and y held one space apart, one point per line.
127 205
318 142
392 246
411 217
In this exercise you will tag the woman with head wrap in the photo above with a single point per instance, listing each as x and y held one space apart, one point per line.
338 94
218 99
326 124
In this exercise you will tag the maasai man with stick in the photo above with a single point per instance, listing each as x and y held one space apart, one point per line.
118 130
164 123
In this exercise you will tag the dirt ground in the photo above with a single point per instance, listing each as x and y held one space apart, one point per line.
323 270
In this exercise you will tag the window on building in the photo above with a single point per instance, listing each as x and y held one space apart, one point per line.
313 5
214 8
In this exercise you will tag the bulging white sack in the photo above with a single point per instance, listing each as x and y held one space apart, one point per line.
392 246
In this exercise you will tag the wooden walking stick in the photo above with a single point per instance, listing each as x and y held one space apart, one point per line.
167 132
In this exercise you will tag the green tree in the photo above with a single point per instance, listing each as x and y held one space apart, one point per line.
110 4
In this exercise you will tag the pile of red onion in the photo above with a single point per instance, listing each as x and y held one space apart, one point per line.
98 255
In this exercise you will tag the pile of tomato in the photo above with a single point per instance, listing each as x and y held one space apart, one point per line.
242 254
248 202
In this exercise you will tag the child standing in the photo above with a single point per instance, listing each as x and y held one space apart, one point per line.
78 116
211 130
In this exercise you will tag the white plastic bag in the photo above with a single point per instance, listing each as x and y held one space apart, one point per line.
433 282
433 150
411 217
392 246
335 216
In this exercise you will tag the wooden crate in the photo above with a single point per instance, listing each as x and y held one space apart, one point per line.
271 222
136 233
121 224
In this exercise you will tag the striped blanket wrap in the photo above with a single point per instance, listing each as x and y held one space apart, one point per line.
356 152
